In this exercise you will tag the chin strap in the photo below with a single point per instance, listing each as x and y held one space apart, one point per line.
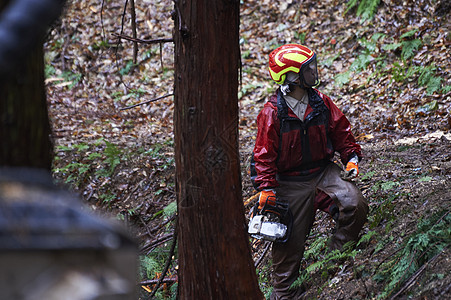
288 86
289 82
285 89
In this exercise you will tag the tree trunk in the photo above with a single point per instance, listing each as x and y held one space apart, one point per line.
24 123
213 246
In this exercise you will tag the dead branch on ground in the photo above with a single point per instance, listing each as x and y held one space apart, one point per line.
146 102
155 281
134 39
414 277
158 242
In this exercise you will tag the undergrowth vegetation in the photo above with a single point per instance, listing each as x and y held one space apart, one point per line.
365 9
385 65
88 164
375 51
432 236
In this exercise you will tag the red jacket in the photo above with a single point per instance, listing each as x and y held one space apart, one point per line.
287 148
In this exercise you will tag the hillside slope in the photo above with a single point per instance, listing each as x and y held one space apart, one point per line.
390 75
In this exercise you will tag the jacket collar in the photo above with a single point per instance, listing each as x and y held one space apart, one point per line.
315 102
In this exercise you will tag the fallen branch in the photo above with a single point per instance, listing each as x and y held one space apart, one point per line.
445 291
119 42
153 41
145 226
154 244
155 229
161 57
146 102
151 231
101 20
155 281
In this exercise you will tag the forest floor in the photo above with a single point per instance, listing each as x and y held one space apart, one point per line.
390 75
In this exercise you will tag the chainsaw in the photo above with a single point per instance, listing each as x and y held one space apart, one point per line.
271 223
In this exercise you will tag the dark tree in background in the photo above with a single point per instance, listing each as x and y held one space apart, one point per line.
25 129
214 251
24 123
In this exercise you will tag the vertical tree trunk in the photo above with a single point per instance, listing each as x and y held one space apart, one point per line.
214 251
24 123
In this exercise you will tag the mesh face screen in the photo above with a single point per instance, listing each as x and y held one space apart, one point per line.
310 73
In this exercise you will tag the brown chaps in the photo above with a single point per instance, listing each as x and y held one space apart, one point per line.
303 202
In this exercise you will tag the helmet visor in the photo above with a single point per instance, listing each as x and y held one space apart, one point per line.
310 73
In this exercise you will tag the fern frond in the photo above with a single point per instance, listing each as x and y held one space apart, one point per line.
350 5
409 47
425 74
367 9
408 34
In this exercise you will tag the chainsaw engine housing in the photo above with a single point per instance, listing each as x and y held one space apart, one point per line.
271 223
260 227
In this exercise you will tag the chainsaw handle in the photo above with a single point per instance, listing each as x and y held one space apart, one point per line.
279 208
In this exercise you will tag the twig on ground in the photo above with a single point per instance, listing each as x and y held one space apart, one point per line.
135 188
134 39
152 245
151 231
155 281
161 57
101 20
145 226
445 291
118 43
146 102
155 229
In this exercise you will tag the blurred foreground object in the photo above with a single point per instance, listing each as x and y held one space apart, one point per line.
51 249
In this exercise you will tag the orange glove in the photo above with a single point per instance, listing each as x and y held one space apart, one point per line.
352 170
266 196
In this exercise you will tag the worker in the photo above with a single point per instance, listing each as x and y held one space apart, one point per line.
299 131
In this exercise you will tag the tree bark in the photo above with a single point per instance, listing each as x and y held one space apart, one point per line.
24 123
214 250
